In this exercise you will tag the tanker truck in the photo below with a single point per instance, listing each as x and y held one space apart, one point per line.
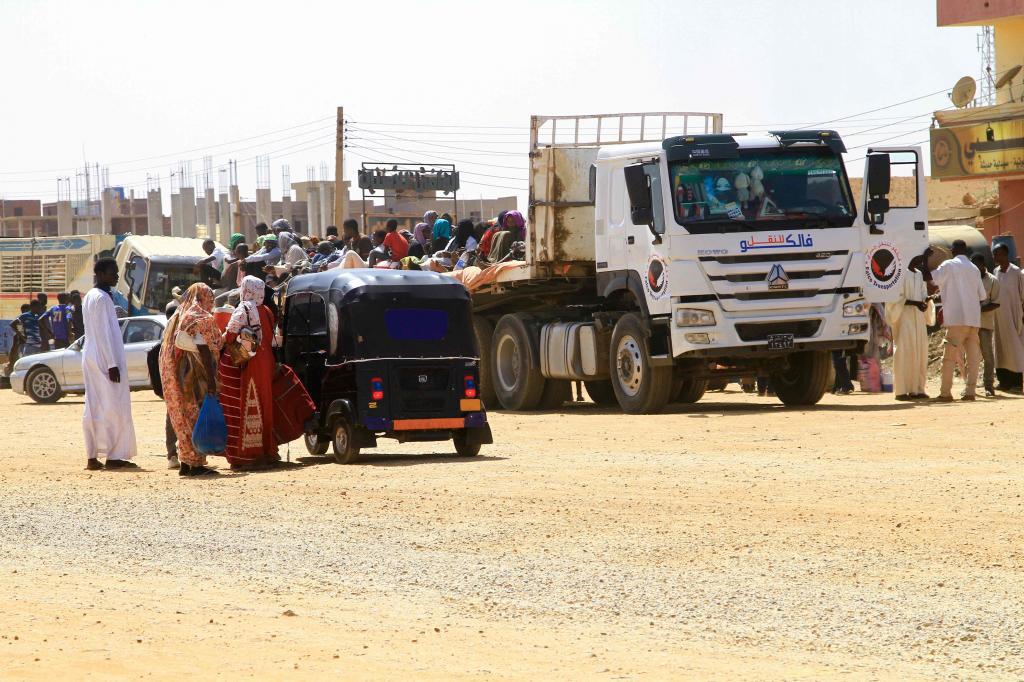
656 262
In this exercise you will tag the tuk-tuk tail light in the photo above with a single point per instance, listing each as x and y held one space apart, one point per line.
470 386
377 388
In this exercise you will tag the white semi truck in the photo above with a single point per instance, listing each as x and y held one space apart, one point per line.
656 262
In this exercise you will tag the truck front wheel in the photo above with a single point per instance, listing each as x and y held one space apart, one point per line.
518 381
640 387
690 390
805 381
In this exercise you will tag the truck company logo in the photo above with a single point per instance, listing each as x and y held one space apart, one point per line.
656 281
883 266
777 278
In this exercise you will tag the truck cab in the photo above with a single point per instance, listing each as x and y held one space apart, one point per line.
152 266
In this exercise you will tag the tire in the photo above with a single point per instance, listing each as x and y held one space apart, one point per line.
42 386
806 379
717 384
345 449
483 330
640 387
601 392
315 445
690 390
462 445
518 382
557 392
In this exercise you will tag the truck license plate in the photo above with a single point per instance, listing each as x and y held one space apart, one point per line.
780 341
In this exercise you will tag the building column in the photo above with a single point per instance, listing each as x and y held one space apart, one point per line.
223 219
326 207
154 212
286 208
313 212
264 206
188 212
176 215
107 212
211 214
65 219
236 210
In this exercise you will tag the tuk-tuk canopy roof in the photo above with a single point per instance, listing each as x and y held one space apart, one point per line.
345 285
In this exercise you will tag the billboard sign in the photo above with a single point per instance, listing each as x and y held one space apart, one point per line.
980 150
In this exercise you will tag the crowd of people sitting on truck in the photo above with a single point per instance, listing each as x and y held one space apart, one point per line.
438 243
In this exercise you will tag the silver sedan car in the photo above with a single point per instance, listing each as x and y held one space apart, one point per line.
47 377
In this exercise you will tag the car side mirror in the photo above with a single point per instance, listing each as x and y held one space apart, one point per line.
641 210
879 184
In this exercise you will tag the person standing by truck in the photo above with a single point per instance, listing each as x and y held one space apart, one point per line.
1009 325
59 319
30 328
908 316
962 295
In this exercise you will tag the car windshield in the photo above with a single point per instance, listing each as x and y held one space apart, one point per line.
162 279
761 186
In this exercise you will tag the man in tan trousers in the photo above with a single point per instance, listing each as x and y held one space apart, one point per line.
962 295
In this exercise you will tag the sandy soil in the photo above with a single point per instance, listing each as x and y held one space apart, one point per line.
735 539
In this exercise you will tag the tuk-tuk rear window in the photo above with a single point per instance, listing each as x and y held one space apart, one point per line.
416 324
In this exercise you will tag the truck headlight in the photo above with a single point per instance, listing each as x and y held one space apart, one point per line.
855 308
691 317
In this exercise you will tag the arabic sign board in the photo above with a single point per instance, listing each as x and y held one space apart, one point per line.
431 180
995 148
777 241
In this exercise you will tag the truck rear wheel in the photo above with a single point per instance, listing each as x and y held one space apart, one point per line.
805 380
518 382
640 387
483 330
690 390
601 392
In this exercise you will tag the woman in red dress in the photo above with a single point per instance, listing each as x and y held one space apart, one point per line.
245 393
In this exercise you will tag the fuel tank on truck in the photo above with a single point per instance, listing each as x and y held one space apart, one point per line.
941 238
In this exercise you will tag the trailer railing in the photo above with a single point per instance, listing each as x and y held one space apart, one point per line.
592 130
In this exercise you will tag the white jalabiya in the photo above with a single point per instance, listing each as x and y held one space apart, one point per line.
910 335
1010 319
107 421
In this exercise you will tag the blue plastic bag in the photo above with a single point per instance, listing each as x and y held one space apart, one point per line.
210 435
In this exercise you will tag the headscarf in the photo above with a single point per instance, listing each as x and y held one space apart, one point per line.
285 240
429 217
236 239
442 229
196 306
463 231
513 219
253 291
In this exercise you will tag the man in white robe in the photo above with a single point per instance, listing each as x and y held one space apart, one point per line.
909 316
1009 321
107 421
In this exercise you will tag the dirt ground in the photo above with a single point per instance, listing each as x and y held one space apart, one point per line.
734 539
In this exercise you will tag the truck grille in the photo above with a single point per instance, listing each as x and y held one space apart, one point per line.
760 331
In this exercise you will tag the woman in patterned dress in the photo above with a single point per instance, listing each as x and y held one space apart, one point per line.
189 376
245 392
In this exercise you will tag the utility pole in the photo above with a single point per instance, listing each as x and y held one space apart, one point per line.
339 184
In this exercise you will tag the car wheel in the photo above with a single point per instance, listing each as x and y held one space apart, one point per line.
516 369
640 386
315 445
463 446
345 449
42 386
483 330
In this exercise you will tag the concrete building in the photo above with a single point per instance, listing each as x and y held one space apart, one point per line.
987 142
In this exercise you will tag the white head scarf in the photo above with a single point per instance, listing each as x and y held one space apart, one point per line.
247 313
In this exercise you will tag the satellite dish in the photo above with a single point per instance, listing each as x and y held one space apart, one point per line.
1010 74
963 92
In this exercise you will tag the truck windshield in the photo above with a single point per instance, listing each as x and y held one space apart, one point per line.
769 186
163 278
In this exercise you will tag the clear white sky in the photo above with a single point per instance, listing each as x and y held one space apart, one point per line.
125 81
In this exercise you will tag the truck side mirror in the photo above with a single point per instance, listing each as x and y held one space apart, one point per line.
640 206
878 182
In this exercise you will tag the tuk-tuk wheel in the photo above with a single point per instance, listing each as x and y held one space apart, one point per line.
463 446
345 449
315 445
